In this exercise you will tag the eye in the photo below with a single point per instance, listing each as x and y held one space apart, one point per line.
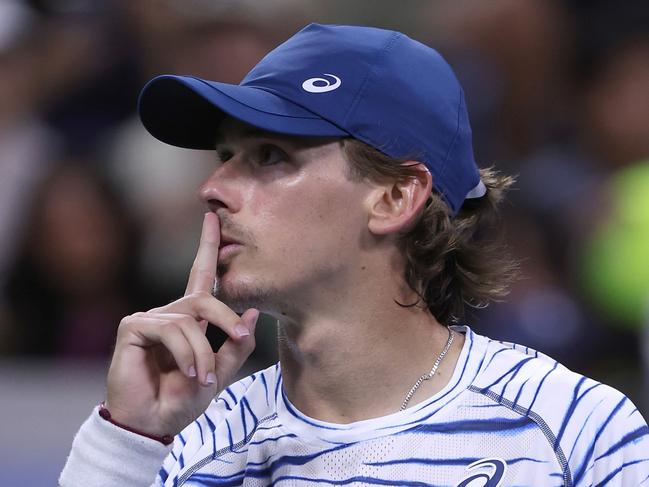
223 155
270 154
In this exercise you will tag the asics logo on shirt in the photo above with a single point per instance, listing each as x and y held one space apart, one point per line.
485 479
321 85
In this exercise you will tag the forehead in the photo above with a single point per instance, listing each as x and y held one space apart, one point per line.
231 130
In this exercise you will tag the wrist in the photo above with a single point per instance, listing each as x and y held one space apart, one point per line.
105 414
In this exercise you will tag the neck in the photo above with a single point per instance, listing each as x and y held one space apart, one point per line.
350 364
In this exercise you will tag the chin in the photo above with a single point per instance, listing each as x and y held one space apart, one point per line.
240 293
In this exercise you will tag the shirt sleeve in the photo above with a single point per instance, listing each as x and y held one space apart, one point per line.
617 454
105 455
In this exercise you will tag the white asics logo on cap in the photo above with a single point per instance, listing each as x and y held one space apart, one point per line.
310 84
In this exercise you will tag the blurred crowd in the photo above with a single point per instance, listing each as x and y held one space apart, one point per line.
99 220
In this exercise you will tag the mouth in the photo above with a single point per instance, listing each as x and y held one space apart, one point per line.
226 241
227 246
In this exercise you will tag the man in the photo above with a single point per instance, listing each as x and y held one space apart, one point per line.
345 202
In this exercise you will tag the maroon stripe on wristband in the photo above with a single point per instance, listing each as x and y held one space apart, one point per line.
105 413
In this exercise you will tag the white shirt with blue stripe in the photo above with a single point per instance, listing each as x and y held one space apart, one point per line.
509 416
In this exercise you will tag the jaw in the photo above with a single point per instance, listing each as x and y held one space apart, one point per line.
291 283
242 292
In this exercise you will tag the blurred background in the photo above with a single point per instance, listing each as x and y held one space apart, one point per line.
99 220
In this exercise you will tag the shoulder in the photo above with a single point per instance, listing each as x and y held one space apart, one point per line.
532 383
238 408
594 429
231 416
258 389
524 377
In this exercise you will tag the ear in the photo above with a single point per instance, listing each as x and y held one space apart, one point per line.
394 206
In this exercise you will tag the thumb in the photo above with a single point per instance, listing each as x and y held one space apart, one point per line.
250 318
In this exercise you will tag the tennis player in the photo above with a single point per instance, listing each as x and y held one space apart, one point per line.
345 202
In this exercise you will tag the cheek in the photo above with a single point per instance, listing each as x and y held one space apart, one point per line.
319 221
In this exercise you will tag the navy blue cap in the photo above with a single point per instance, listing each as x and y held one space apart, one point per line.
375 85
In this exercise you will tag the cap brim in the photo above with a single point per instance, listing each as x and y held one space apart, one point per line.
186 111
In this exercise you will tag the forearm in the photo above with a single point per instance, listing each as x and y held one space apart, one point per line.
105 455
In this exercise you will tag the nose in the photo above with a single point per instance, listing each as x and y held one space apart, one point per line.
209 195
221 189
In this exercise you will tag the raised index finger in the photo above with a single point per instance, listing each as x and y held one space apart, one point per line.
201 277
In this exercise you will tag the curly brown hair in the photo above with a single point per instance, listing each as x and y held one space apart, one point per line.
451 261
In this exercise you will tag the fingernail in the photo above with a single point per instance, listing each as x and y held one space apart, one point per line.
211 378
242 331
192 371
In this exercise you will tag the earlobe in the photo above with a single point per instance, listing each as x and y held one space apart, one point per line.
395 205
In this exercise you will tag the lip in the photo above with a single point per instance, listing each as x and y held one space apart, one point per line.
227 240
228 248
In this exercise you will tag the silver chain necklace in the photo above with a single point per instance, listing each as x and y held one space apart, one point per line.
430 374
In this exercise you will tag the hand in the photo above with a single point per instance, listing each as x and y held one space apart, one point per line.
164 373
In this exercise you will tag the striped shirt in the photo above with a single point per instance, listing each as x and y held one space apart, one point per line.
509 416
